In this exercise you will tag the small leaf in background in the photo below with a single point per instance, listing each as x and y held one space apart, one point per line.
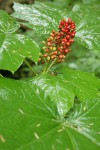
14 47
30 121
88 22
63 88
94 2
86 60
39 16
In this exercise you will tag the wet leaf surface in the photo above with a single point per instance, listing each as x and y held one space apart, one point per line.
31 121
44 19
14 47
63 88
87 21
39 16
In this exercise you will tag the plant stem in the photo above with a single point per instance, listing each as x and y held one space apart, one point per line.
1 75
29 66
45 68
50 66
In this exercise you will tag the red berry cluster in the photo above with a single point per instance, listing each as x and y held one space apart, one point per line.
58 44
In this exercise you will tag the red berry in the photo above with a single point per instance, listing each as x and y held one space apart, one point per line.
67 43
55 53
49 43
60 56
58 43
45 55
52 35
63 43
53 57
53 31
67 50
69 21
71 40
72 34
68 37
49 40
47 50
61 50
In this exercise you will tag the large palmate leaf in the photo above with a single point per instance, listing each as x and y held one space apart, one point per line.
14 47
44 19
39 16
87 21
63 88
31 121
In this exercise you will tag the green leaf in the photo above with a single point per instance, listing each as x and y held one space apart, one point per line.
95 2
39 16
85 85
31 121
87 26
63 88
59 92
43 19
14 47
85 121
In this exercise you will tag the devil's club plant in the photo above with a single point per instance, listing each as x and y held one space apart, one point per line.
58 108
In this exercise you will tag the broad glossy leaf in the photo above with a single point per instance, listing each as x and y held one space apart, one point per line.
14 47
87 22
39 16
85 85
60 93
44 19
31 121
63 88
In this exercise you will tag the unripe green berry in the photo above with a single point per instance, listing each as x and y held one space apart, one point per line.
44 48
51 48
54 48
61 47
39 59
43 42
48 58
51 38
